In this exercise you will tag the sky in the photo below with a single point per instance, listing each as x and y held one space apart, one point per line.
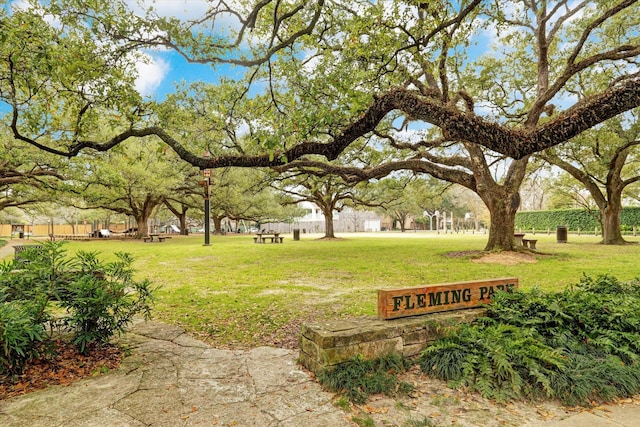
158 76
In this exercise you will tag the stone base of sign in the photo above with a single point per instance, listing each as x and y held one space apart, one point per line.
326 344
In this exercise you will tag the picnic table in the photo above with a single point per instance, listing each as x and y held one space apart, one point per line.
271 235
518 238
154 238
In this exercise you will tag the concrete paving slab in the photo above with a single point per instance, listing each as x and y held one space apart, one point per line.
627 415
104 416
153 406
586 419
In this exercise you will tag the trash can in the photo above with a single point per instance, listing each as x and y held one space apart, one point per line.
296 234
21 235
561 234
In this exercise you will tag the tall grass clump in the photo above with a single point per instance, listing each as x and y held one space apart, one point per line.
580 345
358 378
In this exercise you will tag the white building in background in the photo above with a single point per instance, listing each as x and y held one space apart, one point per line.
349 220
313 213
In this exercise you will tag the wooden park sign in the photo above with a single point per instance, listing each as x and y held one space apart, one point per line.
396 303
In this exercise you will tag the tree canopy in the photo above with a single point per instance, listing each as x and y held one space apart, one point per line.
412 57
447 88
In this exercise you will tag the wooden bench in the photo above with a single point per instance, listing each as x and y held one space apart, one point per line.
530 243
273 239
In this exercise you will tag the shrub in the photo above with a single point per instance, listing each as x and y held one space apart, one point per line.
20 334
102 299
500 361
579 345
37 273
99 300
575 219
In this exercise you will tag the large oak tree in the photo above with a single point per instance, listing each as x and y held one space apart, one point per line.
605 162
132 179
390 60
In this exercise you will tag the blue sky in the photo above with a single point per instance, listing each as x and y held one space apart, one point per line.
158 77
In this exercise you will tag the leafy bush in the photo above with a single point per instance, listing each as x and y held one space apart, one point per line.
20 334
579 345
99 300
358 378
102 299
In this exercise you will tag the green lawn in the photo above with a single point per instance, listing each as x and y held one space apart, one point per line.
237 293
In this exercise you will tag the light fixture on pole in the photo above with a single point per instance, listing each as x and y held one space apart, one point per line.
206 174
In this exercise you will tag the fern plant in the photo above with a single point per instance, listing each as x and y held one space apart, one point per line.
500 361
579 345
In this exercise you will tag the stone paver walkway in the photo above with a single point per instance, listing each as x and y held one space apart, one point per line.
172 380
7 250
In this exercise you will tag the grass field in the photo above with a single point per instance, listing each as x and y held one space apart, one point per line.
237 293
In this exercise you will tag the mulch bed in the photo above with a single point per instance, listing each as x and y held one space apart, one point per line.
61 365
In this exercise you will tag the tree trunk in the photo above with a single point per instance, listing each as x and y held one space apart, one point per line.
611 233
183 224
217 224
403 228
143 230
180 214
328 224
609 203
143 214
502 210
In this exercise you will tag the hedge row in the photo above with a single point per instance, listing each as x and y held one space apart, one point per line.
574 219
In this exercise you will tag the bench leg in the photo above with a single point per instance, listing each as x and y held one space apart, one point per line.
532 244
281 239
525 243
255 240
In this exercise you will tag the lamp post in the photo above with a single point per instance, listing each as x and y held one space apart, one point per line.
206 174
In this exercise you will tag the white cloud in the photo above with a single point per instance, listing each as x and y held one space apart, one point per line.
151 75
184 9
